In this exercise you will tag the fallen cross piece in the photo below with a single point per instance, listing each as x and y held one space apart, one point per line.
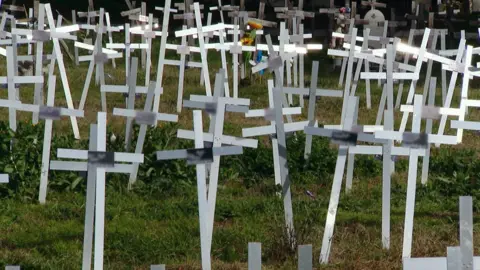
459 257
200 155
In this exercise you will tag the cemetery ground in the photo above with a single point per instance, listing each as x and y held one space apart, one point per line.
157 221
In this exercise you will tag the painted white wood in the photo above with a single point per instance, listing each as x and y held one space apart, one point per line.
413 84
235 56
12 114
464 92
203 54
348 82
453 258
279 100
207 40
254 256
301 63
360 65
466 232
47 139
345 60
181 75
37 96
430 65
202 192
132 81
412 181
110 40
428 129
312 100
337 181
61 68
131 113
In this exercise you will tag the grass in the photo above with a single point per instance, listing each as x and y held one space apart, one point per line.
157 222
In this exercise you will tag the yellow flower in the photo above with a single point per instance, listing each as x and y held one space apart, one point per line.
255 25
247 41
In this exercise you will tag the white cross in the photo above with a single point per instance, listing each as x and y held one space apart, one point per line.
200 31
413 164
200 156
47 138
11 80
217 137
97 60
278 103
161 54
131 89
271 130
313 92
143 118
61 68
336 135
95 201
128 47
209 104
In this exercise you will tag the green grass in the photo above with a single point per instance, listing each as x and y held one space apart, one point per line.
157 222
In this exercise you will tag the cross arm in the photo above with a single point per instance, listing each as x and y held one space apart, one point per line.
226 139
266 112
130 12
318 92
205 29
374 4
83 154
183 154
158 116
270 129
432 138
82 166
211 107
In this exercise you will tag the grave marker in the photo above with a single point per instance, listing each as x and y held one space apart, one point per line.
200 156
95 202
143 118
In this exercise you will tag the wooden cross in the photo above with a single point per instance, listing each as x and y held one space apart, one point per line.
335 193
200 156
417 20
217 137
98 163
90 15
12 80
422 54
416 141
131 89
199 30
128 47
373 4
209 104
99 30
278 103
97 61
271 130
143 118
313 93
50 113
